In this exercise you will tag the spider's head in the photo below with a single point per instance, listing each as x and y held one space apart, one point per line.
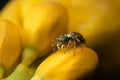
63 38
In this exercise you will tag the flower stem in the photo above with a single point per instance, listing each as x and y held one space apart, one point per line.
2 71
36 77
29 55
21 73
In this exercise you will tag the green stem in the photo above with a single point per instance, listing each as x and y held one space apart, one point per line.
37 77
2 71
29 55
21 73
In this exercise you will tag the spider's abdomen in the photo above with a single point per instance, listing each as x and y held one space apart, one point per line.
76 36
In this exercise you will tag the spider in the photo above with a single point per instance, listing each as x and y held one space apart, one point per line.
66 40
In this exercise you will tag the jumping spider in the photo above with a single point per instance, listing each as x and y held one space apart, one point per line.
66 40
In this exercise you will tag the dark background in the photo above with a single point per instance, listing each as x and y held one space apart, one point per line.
2 3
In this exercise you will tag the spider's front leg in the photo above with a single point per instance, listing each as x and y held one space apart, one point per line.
60 45
54 47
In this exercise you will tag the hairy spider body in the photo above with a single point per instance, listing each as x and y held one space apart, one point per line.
66 40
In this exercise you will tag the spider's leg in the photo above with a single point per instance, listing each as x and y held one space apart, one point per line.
62 46
75 45
68 44
53 45
77 40
79 43
59 46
